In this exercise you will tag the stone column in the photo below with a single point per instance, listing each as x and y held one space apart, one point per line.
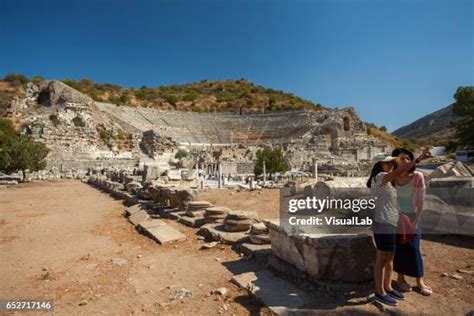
264 174
219 174
315 169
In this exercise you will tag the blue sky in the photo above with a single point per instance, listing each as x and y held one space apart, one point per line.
395 61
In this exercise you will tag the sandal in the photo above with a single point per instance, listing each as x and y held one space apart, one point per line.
404 287
426 290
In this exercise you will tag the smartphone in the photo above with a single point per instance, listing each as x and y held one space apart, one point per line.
438 151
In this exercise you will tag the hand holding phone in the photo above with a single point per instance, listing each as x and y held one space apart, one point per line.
438 151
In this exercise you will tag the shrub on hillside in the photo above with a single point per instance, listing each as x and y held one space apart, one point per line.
16 79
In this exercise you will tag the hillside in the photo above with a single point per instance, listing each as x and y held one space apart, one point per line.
202 96
434 127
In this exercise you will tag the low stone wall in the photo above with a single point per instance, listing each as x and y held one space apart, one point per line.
339 258
66 165
115 189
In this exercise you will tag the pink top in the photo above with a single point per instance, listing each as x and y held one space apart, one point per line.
418 191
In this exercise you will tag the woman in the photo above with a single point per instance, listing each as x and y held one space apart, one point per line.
385 225
410 187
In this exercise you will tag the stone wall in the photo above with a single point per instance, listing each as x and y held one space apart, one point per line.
234 168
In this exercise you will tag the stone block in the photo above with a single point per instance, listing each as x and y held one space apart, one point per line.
260 252
151 172
326 257
150 224
216 232
452 182
133 187
194 222
174 175
164 234
139 217
132 210
279 295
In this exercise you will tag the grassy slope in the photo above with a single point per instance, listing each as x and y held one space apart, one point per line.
202 96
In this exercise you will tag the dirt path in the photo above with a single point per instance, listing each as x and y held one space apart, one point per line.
58 240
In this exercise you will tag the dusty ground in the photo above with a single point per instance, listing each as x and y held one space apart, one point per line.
57 241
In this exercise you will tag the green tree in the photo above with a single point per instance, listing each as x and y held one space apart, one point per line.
274 161
181 154
7 133
6 130
20 152
464 109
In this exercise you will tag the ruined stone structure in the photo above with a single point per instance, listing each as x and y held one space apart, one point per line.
324 133
83 133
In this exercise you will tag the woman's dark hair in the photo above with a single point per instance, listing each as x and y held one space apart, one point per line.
376 169
397 151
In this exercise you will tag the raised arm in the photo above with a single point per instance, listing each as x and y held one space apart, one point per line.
389 177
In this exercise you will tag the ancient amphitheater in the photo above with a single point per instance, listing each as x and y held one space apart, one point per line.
190 128
74 126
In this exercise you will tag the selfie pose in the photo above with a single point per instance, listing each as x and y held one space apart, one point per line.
386 223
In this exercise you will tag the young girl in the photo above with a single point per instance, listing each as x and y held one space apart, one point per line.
385 224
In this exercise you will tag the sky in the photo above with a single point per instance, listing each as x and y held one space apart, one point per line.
394 61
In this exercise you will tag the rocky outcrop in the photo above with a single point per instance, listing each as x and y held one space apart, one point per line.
56 93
